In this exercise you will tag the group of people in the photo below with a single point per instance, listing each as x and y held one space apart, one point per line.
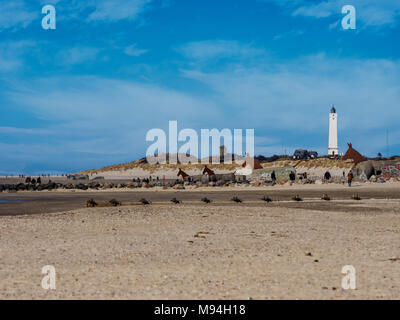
33 180
292 177
42 175
147 180
350 176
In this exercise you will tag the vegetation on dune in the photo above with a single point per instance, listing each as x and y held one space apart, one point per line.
151 168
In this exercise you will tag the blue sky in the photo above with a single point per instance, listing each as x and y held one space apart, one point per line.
84 95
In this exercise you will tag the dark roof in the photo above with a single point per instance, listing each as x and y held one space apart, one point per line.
333 110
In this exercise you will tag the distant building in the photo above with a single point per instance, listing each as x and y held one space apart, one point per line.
333 133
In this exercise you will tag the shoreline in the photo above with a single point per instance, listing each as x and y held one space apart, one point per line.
36 202
295 186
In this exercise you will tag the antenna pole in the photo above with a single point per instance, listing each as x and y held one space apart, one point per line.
387 143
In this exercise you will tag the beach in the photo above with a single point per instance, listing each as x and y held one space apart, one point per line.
222 250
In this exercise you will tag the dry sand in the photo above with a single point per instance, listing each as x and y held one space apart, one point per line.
204 252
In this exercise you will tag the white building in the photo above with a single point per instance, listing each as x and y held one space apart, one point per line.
333 141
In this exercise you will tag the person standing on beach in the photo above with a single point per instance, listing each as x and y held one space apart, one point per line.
273 176
350 178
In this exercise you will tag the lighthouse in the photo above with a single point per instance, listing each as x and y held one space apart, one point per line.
333 145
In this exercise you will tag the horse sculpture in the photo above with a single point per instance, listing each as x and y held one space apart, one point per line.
208 171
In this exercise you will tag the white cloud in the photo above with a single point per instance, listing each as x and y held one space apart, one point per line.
8 63
370 12
98 117
295 97
278 100
132 50
12 52
292 33
24 131
210 49
114 10
77 55
17 14
319 10
85 106
14 14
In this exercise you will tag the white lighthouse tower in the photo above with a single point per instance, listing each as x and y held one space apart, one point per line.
333 145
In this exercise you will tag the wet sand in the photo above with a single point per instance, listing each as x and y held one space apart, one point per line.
56 201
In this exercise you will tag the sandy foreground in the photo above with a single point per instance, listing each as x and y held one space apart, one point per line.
204 252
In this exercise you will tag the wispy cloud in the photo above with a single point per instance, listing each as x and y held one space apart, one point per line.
21 13
292 33
77 55
132 50
97 116
294 96
98 106
24 131
15 14
369 12
210 49
114 10
12 54
286 103
319 10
